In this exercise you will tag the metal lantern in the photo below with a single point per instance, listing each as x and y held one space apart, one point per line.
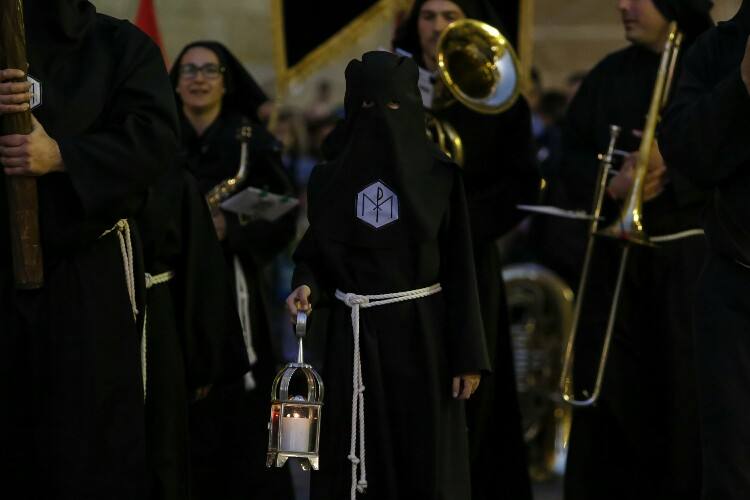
294 427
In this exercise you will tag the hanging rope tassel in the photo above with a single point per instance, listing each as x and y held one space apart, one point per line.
243 306
151 281
126 249
356 303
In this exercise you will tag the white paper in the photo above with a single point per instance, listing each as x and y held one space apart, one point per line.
257 204
557 212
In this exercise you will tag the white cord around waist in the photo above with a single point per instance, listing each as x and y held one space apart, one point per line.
126 249
690 233
243 307
151 281
357 302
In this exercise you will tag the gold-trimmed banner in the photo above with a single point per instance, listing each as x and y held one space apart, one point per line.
302 46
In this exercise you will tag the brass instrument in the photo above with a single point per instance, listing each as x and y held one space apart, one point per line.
478 65
628 228
228 187
540 307
479 68
446 137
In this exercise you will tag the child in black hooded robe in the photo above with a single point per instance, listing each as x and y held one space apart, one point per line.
388 215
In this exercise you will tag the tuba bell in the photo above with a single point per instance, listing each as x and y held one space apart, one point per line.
540 307
478 68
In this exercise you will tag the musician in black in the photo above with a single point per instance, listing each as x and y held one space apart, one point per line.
216 97
641 439
499 173
705 135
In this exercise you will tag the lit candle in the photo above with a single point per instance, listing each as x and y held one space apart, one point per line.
295 433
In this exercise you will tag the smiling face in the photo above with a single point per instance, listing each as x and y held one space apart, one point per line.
644 23
201 82
434 17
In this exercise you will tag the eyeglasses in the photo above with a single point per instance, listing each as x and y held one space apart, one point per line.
210 71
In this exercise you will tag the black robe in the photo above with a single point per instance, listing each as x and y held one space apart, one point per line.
650 435
416 441
229 428
705 135
499 174
73 424
194 338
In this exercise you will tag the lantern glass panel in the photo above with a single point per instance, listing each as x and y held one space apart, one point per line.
298 428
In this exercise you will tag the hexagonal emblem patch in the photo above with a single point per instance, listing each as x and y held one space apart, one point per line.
377 205
36 92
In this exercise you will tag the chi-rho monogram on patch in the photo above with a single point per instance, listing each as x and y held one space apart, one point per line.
377 205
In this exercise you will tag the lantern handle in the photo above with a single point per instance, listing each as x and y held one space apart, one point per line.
300 330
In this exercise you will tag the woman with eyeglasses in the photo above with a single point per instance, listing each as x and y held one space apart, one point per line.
216 96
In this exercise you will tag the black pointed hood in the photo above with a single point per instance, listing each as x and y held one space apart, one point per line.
58 23
386 148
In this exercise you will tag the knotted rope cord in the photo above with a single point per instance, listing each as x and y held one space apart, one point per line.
357 302
678 236
126 249
243 306
151 281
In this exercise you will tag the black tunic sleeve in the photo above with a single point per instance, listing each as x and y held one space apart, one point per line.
511 179
306 258
579 168
466 340
137 137
705 131
214 346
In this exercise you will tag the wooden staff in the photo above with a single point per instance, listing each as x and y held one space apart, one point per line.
23 207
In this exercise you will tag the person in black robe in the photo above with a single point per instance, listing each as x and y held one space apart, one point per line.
499 173
192 333
216 97
388 215
705 136
640 440
72 425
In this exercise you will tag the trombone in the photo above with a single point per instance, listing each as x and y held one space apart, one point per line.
628 228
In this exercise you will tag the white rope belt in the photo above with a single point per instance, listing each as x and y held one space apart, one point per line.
678 236
242 293
151 281
357 302
126 248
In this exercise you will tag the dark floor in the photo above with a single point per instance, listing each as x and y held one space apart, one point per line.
548 491
551 490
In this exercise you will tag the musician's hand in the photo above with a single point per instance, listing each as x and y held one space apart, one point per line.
14 96
220 225
299 300
30 155
653 184
465 385
620 184
745 68
656 177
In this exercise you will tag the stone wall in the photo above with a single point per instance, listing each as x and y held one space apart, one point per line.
569 35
